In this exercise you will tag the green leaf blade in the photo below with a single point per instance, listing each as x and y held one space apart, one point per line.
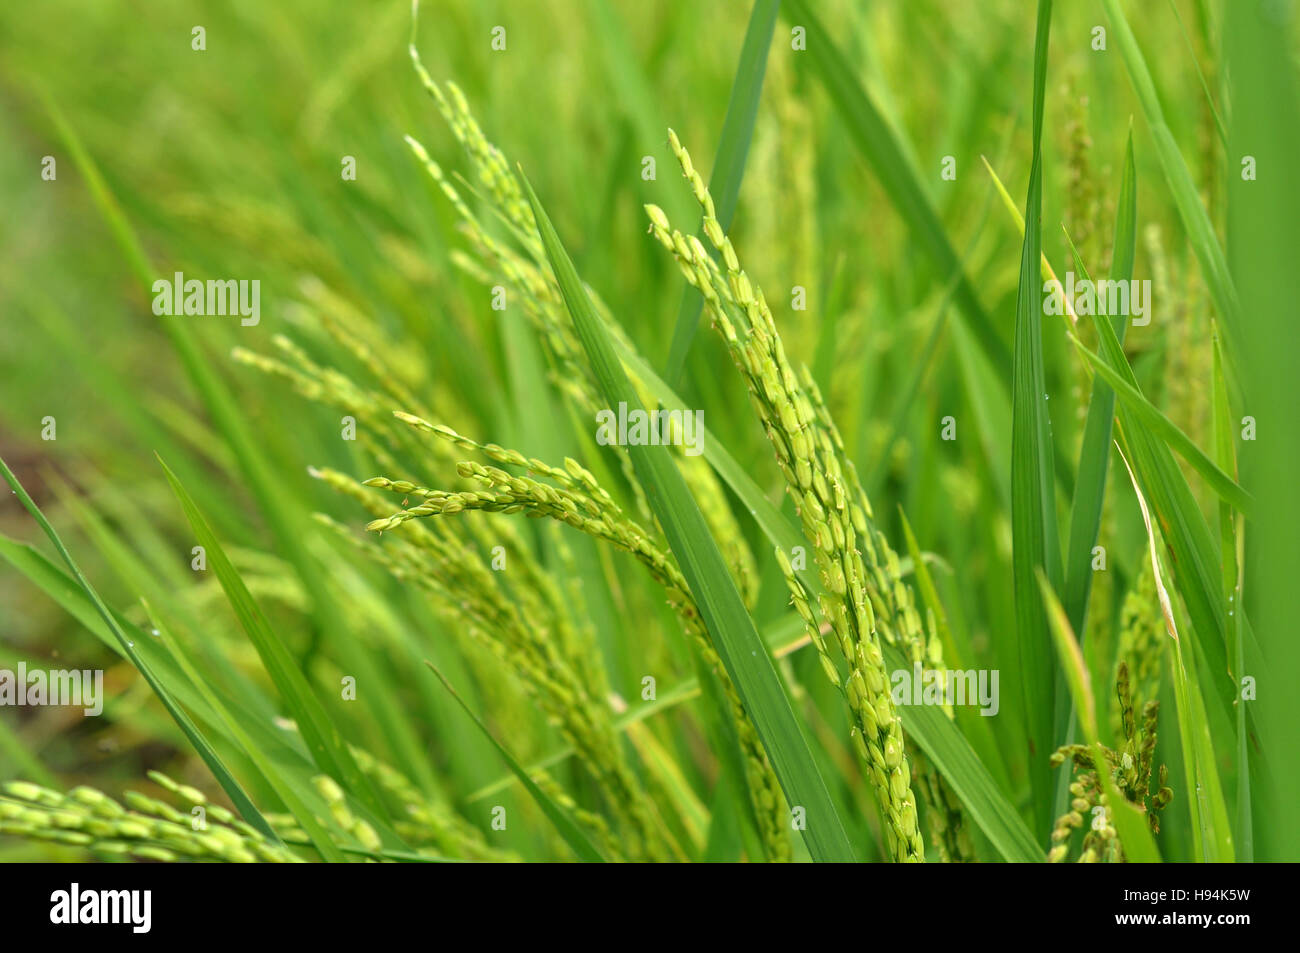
1035 547
322 737
737 642
729 165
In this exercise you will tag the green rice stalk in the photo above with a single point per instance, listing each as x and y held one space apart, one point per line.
829 499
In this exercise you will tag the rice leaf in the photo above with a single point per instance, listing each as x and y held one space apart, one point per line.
283 513
1231 529
283 787
1205 795
729 624
1094 455
283 748
1184 530
668 774
28 766
728 164
323 739
1196 219
1035 546
564 825
1200 74
887 159
1142 409
1263 227
243 803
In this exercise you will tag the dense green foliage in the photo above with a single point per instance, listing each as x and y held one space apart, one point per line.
435 616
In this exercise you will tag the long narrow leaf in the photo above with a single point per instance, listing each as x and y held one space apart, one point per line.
1263 225
323 739
1033 491
1205 795
1186 196
565 825
944 744
887 159
243 803
302 814
729 165
739 646
1094 456
1150 415
281 747
1231 528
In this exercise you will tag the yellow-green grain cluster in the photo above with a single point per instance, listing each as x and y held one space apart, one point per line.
1130 765
580 502
148 829
863 594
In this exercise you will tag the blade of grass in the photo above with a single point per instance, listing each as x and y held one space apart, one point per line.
282 746
724 845
1263 228
1212 833
564 825
943 743
739 646
906 400
694 820
1010 205
139 578
1187 536
1200 231
828 337
1183 527
286 518
28 765
1231 529
974 725
243 803
1215 830
887 159
322 737
282 787
1200 74
1094 455
634 91
1033 501
729 164
1142 409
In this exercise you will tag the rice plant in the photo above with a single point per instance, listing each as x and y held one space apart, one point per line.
743 446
